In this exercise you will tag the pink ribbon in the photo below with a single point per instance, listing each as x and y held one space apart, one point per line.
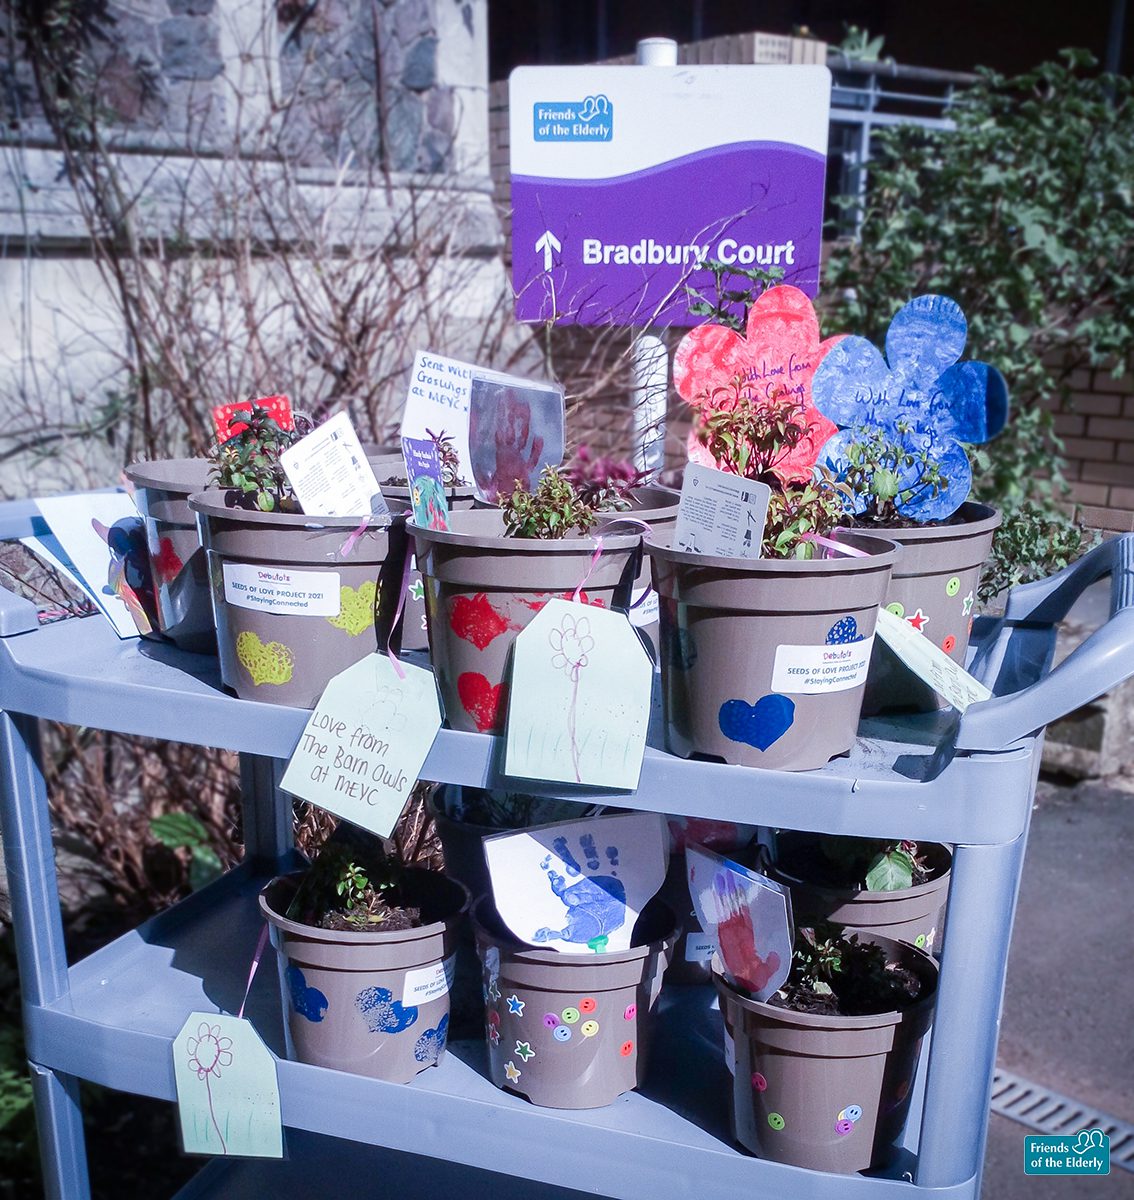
252 970
399 670
837 547
352 539
589 571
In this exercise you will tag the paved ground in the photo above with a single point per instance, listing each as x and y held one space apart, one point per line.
1068 1017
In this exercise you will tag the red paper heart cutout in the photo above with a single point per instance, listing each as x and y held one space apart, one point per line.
483 702
476 620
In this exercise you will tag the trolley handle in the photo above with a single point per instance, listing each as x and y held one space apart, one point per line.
1102 662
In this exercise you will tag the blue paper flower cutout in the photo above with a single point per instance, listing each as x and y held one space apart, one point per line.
919 396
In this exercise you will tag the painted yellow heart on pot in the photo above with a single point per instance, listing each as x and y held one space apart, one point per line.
272 663
356 608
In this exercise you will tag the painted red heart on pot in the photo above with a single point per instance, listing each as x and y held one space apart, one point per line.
482 701
476 620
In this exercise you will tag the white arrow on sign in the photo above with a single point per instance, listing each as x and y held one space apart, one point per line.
548 243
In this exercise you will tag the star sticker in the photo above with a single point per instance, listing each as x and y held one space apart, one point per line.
524 1051
512 1071
416 589
967 605
918 621
494 1035
493 990
515 1005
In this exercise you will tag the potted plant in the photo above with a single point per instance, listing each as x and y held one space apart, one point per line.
759 663
488 575
904 420
894 888
296 598
177 562
364 945
823 1069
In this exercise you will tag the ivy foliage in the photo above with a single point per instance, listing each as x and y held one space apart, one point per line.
1024 214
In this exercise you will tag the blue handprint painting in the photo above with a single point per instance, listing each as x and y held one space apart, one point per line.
904 417
578 886
382 1013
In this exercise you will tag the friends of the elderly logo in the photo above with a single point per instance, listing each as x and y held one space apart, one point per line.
1084 1153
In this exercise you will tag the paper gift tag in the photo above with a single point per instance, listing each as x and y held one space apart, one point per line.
930 663
721 514
364 744
426 483
92 534
228 1098
277 407
578 885
331 474
438 403
579 703
516 428
750 916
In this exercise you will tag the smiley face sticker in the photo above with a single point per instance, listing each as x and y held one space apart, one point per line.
953 586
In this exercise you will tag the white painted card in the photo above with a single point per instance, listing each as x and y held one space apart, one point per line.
930 663
228 1097
578 886
365 742
282 590
721 514
818 670
579 704
331 474
437 402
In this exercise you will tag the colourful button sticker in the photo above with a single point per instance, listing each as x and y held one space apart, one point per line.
919 941
587 1005
588 1028
853 1113
843 1127
948 644
570 1015
953 586
550 1020
626 1049
776 1121
899 610
630 1013
562 1033
759 1082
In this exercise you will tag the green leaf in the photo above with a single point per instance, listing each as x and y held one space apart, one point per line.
179 829
890 872
204 867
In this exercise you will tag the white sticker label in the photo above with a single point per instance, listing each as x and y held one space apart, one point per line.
643 607
816 670
700 947
429 983
271 589
729 1052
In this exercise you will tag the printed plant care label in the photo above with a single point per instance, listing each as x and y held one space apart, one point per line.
721 514
429 983
700 947
816 670
331 474
930 663
643 607
275 590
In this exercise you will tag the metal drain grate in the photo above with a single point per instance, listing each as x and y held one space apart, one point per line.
1045 1111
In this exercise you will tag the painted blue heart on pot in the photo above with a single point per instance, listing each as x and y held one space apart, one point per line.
432 1042
384 1014
761 724
309 1002
845 630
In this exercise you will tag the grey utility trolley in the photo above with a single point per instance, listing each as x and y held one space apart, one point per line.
111 1017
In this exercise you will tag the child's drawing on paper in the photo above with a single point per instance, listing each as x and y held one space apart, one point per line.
596 904
208 1052
571 642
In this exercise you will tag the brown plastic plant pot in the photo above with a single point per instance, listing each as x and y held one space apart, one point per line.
348 996
482 588
289 657
177 563
415 635
570 1030
723 623
827 1093
913 914
656 506
934 587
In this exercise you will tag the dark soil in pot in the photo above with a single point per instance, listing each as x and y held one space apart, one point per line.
829 1093
482 588
371 1003
177 562
570 1030
914 914
934 587
740 638
333 606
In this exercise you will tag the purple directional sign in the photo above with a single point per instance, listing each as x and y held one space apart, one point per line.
627 180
